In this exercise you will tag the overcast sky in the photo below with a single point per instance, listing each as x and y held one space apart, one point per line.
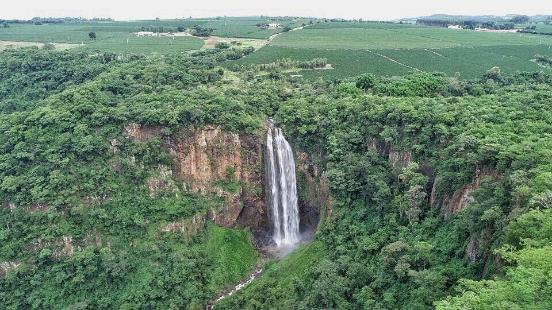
375 10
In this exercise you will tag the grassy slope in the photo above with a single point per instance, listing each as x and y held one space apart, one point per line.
232 253
279 278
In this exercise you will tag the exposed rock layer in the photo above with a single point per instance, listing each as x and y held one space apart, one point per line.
7 266
462 197
212 161
208 159
315 200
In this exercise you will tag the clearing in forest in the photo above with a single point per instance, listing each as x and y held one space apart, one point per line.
4 45
212 41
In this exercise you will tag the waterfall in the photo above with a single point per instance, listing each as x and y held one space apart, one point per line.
281 188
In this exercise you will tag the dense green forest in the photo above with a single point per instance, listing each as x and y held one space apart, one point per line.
80 229
387 246
68 173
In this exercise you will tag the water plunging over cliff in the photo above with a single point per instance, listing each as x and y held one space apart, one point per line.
281 188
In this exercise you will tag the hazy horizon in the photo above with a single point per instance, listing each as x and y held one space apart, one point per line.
170 9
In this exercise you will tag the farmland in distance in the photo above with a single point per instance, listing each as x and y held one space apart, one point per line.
120 36
388 49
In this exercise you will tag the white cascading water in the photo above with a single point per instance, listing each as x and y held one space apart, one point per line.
281 188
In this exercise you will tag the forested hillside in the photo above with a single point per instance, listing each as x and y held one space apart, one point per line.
83 224
440 187
433 183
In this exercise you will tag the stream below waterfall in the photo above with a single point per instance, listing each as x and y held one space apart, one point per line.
252 276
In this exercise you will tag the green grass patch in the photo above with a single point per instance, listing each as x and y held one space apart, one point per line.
232 253
275 285
229 186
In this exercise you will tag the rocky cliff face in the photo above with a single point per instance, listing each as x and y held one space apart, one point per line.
188 227
459 200
7 266
462 197
161 182
397 158
212 161
448 204
209 158
315 200
206 156
65 245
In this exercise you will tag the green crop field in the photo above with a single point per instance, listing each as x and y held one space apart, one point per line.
363 25
116 37
353 48
542 28
400 38
247 27
146 45
347 62
120 37
355 38
72 32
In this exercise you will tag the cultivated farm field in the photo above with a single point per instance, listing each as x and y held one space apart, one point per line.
119 37
542 28
400 38
391 49
115 37
351 48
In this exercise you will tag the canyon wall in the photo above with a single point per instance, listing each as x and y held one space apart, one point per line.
215 162
315 200
462 197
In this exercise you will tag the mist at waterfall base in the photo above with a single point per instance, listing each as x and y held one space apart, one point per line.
281 188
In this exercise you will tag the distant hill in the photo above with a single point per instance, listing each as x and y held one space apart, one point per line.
480 18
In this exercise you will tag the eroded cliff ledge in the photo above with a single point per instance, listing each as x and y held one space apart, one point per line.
211 161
